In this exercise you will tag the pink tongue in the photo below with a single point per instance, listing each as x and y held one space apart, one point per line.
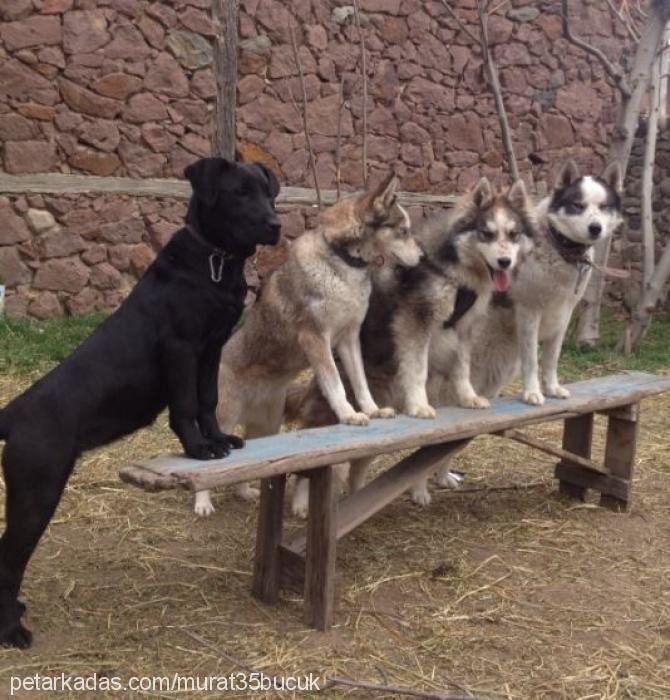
500 280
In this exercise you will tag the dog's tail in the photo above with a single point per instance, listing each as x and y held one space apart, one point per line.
306 406
295 398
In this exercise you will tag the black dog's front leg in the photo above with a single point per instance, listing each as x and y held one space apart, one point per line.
181 369
208 396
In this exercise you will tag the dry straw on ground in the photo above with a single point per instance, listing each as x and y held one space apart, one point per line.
501 590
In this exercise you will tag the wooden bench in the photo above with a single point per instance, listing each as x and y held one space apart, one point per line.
306 562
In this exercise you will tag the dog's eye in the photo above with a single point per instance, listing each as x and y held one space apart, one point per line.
513 235
485 234
574 208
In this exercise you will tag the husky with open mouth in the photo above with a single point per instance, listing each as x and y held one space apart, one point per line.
419 325
534 315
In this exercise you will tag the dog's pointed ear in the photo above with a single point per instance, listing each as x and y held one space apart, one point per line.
613 176
204 176
568 174
270 177
483 194
383 196
518 195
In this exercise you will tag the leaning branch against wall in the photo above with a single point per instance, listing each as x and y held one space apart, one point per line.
483 12
632 88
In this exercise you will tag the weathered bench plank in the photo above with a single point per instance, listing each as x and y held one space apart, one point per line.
307 449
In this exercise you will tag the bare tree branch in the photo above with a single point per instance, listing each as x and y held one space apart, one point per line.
338 153
364 70
648 178
588 325
461 24
305 124
497 96
492 69
614 71
626 21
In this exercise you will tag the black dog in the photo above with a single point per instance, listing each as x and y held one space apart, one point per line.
160 348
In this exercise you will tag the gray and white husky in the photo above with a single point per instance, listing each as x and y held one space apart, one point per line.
535 313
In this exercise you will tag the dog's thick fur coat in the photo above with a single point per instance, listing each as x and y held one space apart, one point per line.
314 302
160 348
536 311
425 315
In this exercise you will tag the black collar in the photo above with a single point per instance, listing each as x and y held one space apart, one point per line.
343 253
217 256
572 252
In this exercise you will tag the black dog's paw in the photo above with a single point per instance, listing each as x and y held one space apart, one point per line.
21 606
231 441
207 449
15 635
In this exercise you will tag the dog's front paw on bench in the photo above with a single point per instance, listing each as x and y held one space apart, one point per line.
421 411
386 412
474 401
355 418
207 449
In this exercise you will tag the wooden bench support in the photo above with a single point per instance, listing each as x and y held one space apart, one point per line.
320 549
577 438
578 475
267 570
362 505
620 447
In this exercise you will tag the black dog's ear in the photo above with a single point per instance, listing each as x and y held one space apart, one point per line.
568 174
270 177
204 177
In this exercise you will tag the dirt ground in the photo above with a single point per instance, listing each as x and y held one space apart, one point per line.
503 589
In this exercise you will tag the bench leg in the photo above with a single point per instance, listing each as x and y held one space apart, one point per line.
320 549
266 578
577 438
622 426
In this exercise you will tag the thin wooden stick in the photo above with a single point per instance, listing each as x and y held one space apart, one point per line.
460 23
648 242
305 123
364 71
626 21
611 69
396 690
338 153
497 96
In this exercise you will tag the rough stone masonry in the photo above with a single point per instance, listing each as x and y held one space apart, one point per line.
126 88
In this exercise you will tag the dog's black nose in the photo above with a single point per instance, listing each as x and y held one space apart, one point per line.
595 230
504 263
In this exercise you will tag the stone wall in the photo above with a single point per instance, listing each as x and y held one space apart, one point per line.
119 87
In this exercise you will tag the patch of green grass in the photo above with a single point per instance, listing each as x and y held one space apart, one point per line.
28 346
652 355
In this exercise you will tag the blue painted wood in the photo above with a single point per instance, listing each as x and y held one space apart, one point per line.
318 446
